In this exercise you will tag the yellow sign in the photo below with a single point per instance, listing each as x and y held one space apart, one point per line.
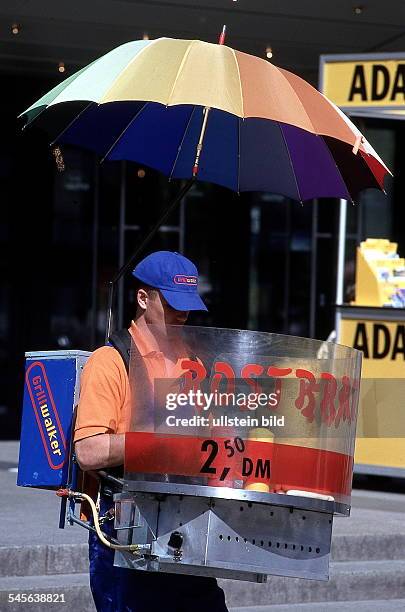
382 343
359 83
380 439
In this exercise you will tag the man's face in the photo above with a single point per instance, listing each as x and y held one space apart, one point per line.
157 311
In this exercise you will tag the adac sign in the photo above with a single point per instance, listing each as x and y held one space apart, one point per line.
364 81
382 343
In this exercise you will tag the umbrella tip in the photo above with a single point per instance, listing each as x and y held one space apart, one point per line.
222 36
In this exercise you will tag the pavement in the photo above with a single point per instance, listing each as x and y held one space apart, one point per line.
32 515
367 573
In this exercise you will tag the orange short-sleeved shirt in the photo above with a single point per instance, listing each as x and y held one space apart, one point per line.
105 397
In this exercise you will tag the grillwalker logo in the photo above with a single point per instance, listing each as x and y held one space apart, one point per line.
46 415
183 279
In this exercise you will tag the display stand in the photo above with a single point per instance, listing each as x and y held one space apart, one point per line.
375 324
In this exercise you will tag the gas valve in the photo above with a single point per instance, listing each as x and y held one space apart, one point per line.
175 540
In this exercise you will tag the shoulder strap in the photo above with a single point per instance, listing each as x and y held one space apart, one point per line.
121 341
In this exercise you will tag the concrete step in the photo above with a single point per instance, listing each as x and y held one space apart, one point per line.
368 547
392 605
349 581
371 582
69 592
43 559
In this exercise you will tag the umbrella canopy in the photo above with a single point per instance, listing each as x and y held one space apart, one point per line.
267 129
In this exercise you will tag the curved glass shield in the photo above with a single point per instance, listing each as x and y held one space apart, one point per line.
242 409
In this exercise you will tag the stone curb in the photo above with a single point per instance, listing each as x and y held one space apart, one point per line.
349 581
72 558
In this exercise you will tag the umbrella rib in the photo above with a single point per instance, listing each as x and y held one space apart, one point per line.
179 69
325 144
240 82
239 156
44 108
281 71
71 123
291 164
123 131
243 112
356 132
181 143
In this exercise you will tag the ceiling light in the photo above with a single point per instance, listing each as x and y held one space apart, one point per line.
358 10
269 52
61 67
15 28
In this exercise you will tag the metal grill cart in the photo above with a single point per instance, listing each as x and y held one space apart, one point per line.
224 532
239 450
233 498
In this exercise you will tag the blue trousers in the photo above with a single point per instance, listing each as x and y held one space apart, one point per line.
118 589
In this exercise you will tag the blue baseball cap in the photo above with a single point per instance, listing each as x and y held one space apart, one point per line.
175 276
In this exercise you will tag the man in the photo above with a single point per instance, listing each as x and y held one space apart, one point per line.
167 291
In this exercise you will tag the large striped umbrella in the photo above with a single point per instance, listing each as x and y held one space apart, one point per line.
186 106
193 109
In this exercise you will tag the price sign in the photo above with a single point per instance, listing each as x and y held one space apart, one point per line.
215 458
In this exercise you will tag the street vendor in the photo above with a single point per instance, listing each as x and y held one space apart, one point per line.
167 286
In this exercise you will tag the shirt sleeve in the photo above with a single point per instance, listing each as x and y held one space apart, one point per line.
102 394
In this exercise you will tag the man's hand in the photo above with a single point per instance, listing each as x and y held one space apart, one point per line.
100 451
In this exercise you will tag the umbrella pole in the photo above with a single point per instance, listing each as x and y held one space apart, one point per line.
112 284
340 277
162 219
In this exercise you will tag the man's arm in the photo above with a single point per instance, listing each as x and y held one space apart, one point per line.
100 451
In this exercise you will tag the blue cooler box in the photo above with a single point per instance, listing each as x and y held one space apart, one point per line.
51 392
